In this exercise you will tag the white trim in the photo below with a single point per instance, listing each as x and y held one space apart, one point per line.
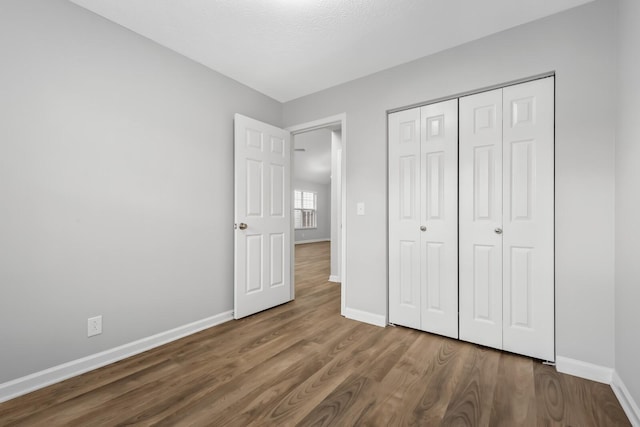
626 400
313 125
343 219
335 279
41 379
475 91
318 124
365 316
302 242
586 370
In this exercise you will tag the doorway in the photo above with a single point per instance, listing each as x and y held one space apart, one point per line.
317 184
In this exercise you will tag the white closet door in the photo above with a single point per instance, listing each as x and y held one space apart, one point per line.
528 272
404 218
481 218
439 217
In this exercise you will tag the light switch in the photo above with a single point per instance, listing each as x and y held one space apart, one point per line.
360 208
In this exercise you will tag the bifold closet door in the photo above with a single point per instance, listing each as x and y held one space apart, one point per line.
507 219
481 218
439 215
423 272
528 212
404 218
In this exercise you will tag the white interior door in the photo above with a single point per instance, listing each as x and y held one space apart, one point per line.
439 218
481 218
528 268
404 218
262 216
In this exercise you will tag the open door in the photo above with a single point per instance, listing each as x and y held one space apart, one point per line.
262 257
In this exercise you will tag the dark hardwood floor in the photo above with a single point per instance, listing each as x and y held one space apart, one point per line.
304 364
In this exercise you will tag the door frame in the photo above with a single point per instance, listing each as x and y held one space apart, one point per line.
340 119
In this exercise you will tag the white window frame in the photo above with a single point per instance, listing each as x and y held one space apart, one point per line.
305 217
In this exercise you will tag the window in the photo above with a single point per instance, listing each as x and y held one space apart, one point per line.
304 204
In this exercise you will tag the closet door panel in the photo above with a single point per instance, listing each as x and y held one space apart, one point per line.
528 133
439 216
404 218
480 218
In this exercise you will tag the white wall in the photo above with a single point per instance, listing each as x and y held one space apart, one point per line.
116 172
313 164
312 171
628 200
579 45
323 213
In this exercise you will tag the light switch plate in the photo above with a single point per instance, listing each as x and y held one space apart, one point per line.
360 208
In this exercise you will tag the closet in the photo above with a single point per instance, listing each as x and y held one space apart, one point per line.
423 218
480 167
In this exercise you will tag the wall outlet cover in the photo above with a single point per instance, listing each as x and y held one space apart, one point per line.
94 326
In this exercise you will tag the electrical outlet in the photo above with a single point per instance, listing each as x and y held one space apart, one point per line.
94 326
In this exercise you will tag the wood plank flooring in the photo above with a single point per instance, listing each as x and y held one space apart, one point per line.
303 364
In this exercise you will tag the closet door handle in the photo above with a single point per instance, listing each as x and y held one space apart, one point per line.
423 228
498 230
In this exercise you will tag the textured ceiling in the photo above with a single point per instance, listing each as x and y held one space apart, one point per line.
290 48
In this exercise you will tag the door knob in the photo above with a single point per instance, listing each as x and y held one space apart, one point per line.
423 228
242 226
498 230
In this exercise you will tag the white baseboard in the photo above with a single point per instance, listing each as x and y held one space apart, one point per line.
365 316
629 405
586 370
335 279
38 380
605 375
301 242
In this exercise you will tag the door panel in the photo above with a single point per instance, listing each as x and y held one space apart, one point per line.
253 256
254 188
262 201
439 214
484 283
434 253
528 219
404 221
520 266
485 188
277 253
409 276
435 185
480 260
278 193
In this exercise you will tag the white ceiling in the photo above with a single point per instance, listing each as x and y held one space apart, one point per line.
290 48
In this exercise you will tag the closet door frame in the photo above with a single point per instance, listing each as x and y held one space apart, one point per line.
511 324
